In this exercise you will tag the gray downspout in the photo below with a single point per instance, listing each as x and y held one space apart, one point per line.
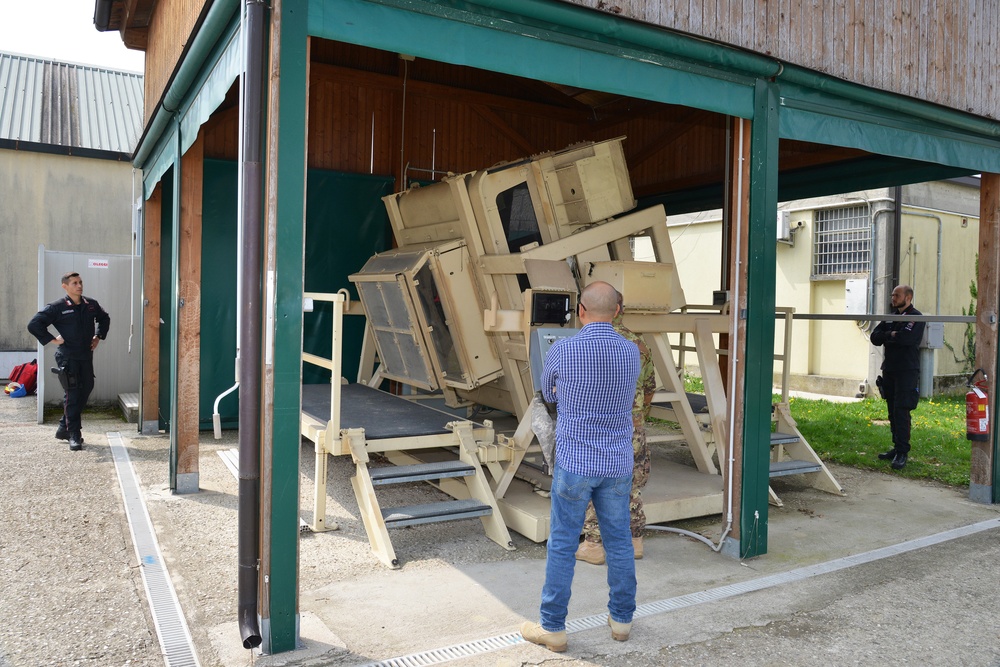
102 15
897 224
250 336
927 353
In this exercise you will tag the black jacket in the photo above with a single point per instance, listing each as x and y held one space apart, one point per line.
77 324
901 350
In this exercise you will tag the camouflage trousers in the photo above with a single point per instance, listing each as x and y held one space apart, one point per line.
640 475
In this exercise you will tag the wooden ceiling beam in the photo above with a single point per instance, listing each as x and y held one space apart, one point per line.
439 91
637 109
815 158
134 23
665 139
803 160
516 137
138 13
678 184
135 38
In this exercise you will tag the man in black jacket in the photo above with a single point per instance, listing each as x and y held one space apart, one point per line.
900 372
81 324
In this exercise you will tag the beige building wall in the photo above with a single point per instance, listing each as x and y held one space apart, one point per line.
835 356
66 203
944 289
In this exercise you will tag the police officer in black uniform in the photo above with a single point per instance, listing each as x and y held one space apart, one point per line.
900 372
82 324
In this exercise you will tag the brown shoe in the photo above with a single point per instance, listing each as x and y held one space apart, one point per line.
554 641
619 631
637 547
591 552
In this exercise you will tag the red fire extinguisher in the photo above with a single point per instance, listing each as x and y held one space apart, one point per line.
977 411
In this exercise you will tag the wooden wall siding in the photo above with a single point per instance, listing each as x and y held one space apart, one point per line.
445 128
942 51
461 128
149 412
454 129
222 130
169 32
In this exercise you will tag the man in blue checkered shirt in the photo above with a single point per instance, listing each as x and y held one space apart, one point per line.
591 377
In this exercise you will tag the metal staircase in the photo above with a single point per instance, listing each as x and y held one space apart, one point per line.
413 515
479 501
792 455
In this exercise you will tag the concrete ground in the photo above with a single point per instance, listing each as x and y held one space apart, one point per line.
895 572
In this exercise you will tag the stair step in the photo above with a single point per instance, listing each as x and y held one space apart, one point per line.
420 472
782 468
783 439
666 437
129 404
449 510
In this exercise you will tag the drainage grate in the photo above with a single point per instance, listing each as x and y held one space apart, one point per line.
441 655
171 630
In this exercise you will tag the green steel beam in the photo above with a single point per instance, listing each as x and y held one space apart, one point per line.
808 114
758 357
616 29
281 516
502 40
577 46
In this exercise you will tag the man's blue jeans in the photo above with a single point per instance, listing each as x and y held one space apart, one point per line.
570 495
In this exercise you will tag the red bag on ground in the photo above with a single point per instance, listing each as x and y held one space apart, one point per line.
26 374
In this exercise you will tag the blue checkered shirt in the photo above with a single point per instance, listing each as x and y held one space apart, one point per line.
592 377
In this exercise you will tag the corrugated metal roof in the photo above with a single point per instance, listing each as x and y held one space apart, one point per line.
64 104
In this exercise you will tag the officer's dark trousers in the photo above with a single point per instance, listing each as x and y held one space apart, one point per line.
80 377
901 397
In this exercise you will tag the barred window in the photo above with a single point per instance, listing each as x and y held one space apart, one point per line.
842 241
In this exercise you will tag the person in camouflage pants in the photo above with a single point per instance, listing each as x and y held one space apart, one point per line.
590 549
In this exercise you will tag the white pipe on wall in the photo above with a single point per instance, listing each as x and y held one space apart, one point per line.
216 416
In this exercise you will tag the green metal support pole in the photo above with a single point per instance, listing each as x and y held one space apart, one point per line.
283 280
759 357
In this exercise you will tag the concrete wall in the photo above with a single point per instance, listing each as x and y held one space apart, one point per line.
66 203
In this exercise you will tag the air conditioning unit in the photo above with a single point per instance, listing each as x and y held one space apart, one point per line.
784 227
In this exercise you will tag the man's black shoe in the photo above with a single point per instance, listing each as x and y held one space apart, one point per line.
888 456
899 462
75 443
63 434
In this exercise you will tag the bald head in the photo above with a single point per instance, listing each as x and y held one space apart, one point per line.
599 301
901 297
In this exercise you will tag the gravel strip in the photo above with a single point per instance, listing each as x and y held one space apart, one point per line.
71 592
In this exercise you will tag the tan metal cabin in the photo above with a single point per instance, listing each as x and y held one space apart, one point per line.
767 102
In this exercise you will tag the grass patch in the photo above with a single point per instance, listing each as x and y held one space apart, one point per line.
105 409
855 433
